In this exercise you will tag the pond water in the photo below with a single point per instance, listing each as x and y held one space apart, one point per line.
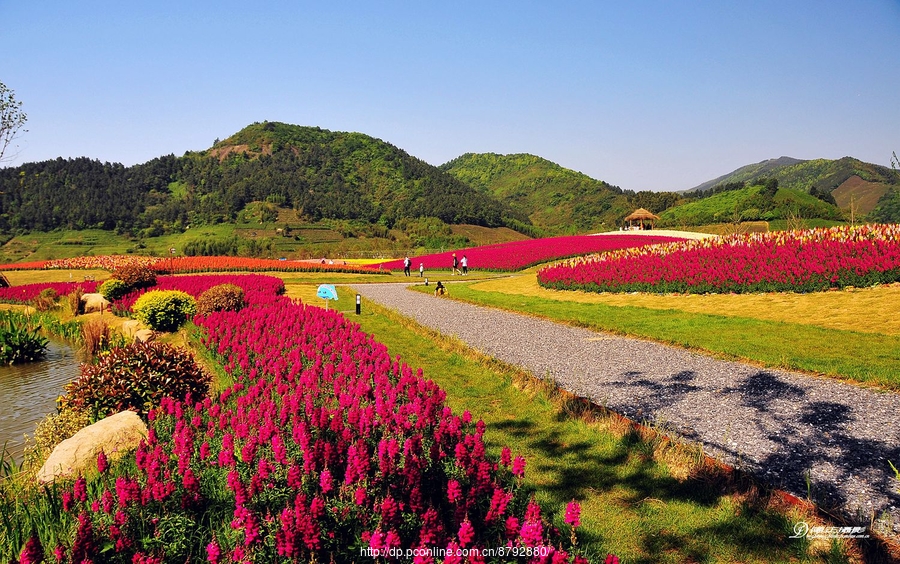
28 393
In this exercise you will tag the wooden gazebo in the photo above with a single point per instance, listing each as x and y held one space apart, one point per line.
641 215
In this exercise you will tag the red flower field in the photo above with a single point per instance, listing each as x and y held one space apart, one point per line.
783 261
325 449
517 255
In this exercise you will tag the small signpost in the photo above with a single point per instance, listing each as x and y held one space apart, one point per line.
327 292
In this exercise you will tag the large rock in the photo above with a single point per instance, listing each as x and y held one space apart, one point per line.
144 335
94 302
130 327
116 435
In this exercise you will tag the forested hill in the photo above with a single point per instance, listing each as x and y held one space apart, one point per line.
747 173
554 198
320 173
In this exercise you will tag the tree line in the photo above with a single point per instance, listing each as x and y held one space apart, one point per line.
329 176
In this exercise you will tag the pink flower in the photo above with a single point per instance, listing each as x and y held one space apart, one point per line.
518 467
505 456
79 491
532 533
33 553
466 534
454 492
573 514
512 527
102 463
325 481
213 553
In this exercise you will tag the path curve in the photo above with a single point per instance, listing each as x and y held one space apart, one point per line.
781 426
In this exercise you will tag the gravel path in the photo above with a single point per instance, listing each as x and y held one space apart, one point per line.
781 426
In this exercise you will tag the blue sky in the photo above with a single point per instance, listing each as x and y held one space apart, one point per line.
647 95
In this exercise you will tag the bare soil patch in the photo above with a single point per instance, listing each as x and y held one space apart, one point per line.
864 194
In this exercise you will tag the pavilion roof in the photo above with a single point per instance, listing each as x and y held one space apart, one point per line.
641 213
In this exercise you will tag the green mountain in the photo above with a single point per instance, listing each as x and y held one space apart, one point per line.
318 173
555 199
849 181
746 173
752 203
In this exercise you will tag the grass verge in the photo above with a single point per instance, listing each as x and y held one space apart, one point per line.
868 358
645 496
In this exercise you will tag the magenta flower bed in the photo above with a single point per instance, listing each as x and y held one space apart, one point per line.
522 254
25 293
256 287
798 261
326 449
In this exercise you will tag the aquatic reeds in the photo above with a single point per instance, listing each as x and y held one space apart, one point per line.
20 338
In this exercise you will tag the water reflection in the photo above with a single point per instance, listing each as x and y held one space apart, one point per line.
28 393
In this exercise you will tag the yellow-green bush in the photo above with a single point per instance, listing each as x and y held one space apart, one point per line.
164 310
51 431
113 289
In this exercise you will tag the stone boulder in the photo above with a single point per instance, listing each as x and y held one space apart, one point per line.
94 302
144 335
116 435
130 327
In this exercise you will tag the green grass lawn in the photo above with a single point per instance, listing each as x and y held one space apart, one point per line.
643 497
869 358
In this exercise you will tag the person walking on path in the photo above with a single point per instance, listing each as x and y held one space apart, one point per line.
464 263
421 269
455 265
406 265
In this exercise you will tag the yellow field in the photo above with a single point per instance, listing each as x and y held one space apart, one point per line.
21 277
867 310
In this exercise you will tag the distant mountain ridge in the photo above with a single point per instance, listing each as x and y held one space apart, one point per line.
746 173
844 178
321 175
555 199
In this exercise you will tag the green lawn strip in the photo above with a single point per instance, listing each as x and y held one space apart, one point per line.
631 503
861 357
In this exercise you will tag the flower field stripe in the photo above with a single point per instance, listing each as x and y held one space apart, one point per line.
189 265
257 287
517 255
34 265
792 261
185 265
26 292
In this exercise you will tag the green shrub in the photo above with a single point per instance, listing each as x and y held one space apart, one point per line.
164 310
20 338
113 289
135 377
135 277
224 297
